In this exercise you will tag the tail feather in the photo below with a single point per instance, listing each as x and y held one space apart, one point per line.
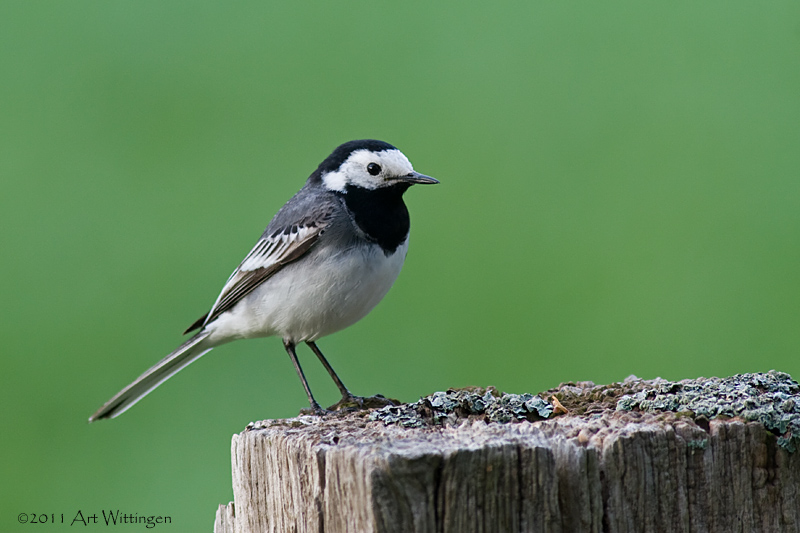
186 353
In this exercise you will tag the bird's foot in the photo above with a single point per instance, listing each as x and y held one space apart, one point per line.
350 402
314 410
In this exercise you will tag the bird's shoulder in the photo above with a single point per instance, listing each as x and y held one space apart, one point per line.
310 207
291 233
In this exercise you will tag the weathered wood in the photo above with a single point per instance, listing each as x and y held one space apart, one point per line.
596 469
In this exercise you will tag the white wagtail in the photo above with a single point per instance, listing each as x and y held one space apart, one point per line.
328 257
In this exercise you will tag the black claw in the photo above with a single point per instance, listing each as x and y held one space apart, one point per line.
314 410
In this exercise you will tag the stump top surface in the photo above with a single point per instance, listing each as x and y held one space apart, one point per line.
580 410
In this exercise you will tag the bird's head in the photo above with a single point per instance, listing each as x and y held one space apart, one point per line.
367 164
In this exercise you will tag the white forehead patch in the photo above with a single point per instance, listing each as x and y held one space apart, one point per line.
354 170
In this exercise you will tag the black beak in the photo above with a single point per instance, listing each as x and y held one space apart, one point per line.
417 178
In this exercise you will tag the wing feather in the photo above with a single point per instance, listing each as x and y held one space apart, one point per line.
275 249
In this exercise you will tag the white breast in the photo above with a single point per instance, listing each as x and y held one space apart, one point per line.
324 292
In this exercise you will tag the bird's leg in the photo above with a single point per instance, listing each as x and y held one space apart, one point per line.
293 355
346 394
348 399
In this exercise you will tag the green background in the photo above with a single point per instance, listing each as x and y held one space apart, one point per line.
619 196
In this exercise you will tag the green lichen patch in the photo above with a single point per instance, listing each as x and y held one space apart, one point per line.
773 399
697 444
470 403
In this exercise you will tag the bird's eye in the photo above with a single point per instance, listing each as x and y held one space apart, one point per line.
374 169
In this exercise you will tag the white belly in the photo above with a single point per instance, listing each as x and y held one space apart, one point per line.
329 293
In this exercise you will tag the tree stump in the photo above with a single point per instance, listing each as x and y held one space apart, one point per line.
706 455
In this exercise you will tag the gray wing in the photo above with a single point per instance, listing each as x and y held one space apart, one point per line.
286 239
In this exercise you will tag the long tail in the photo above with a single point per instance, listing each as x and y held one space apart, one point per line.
186 353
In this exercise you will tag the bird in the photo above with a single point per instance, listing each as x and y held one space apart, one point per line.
325 260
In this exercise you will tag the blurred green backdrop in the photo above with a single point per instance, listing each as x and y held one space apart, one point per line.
619 195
